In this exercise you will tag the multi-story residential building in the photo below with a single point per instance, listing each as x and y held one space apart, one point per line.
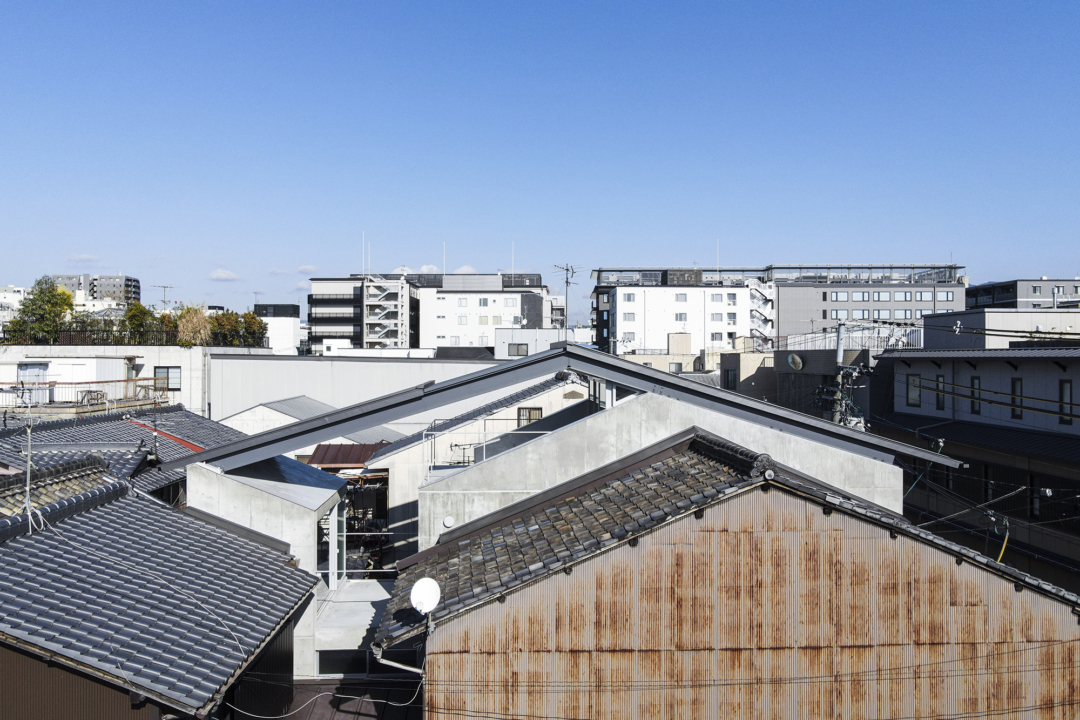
770 302
370 311
465 310
119 288
1024 294
283 327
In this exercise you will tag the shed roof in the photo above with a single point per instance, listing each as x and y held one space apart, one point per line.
303 407
343 455
141 595
291 480
536 537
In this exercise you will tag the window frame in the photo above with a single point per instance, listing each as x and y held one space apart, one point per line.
164 382
511 349
917 387
680 317
1016 386
525 415
939 399
976 395
1065 404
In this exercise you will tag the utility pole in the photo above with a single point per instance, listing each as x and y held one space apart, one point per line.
568 271
838 401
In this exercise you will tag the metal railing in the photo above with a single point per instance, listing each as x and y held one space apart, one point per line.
83 394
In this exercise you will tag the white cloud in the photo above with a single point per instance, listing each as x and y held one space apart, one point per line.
275 271
465 270
429 269
226 275
307 269
88 260
303 285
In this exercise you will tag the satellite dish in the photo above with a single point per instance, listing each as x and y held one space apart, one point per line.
425 595
795 361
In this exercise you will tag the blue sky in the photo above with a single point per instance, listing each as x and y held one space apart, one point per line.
180 141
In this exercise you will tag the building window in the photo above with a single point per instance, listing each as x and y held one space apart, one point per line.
717 317
902 314
732 318
1066 406
824 297
517 349
483 302
839 296
945 295
717 337
883 296
1036 289
939 396
860 297
628 297
680 317
440 317
1017 398
628 317
924 296
455 340
838 314
731 339
166 377
646 364
680 297
605 314
629 337
718 297
824 314
976 385
517 320
1059 289
901 296
483 340
882 314
860 314
1036 305
463 302
529 415
914 391
731 299
674 367
497 319
509 302
483 319
462 319
919 314
731 379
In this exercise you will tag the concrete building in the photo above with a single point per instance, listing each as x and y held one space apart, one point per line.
120 288
514 343
779 300
701 579
999 328
369 311
467 310
282 326
1024 294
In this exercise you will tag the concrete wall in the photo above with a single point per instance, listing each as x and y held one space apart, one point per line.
408 468
655 309
617 432
238 382
939 332
538 339
755 375
212 491
283 334
442 313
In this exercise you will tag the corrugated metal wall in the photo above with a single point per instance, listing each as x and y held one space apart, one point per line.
30 688
766 608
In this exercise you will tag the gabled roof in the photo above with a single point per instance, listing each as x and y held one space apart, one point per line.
576 358
141 595
475 414
303 407
122 439
544 534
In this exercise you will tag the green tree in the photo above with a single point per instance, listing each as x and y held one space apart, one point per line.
41 314
254 329
138 320
226 328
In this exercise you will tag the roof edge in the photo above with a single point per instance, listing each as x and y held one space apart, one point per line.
16 525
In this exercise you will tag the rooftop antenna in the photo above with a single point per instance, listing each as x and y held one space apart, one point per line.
257 293
569 271
164 289
363 253
27 396
444 257
511 261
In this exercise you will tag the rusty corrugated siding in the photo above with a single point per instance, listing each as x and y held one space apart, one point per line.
31 688
766 608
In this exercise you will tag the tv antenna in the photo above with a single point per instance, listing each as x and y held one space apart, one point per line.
164 302
27 396
257 293
569 271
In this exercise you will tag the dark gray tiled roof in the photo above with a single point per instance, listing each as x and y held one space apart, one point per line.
586 515
52 483
155 600
476 413
102 433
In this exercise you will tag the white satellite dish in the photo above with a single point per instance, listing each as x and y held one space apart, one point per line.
425 595
795 361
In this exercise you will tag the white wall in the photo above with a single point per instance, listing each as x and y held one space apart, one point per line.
538 339
631 425
442 311
283 334
655 309
939 330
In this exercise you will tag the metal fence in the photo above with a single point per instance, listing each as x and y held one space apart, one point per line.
83 394
79 336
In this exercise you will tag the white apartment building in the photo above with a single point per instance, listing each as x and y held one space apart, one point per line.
640 318
370 311
468 309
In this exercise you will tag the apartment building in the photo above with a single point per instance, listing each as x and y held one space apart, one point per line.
370 311
119 288
1024 294
466 310
770 302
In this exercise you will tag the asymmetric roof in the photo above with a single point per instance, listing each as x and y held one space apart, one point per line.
303 407
476 563
576 358
142 596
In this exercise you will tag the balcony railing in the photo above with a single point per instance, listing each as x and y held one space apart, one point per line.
84 394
